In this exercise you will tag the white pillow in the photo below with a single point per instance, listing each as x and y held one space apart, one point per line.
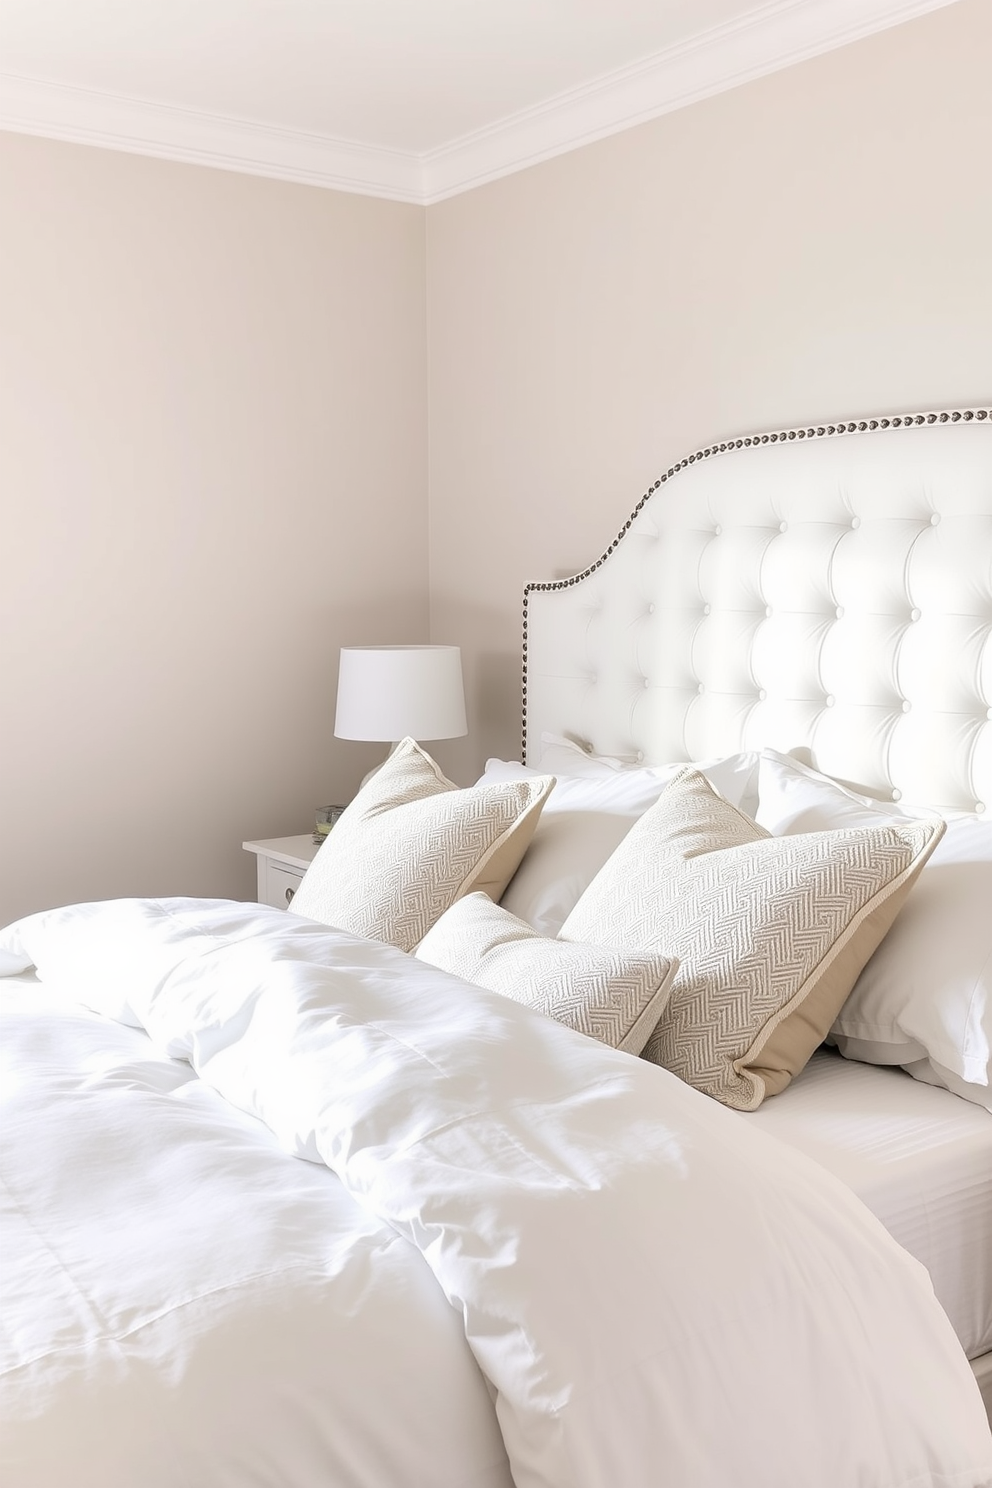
793 797
924 1000
585 820
560 755
614 996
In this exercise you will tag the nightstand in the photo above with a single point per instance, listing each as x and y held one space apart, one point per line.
282 862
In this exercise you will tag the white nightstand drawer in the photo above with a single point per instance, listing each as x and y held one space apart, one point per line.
282 862
281 883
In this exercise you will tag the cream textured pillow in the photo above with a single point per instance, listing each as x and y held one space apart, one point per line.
411 843
614 996
771 932
588 817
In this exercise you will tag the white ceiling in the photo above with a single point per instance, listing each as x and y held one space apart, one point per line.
409 99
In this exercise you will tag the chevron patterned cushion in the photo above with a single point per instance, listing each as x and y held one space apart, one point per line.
614 996
411 843
771 932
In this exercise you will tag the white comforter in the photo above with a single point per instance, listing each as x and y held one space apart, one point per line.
655 1295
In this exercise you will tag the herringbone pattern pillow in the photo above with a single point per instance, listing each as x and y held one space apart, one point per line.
770 932
411 843
614 996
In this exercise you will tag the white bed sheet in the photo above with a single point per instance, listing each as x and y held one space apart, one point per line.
919 1157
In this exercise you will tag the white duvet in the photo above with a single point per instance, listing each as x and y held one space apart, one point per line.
513 1256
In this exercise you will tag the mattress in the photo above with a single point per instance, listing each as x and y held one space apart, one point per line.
919 1157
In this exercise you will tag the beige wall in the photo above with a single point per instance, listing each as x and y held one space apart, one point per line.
214 421
813 245
212 474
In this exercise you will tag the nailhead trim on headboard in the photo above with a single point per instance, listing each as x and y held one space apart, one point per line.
817 431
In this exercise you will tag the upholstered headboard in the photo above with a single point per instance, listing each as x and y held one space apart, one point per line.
825 590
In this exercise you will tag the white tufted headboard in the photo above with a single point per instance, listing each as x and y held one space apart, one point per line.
826 590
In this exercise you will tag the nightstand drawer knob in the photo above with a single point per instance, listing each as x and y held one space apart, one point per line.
289 895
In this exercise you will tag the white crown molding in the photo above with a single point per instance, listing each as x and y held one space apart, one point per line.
108 120
763 41
769 38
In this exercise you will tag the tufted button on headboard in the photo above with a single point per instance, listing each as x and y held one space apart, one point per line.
826 590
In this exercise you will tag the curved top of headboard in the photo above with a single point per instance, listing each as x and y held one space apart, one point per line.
797 590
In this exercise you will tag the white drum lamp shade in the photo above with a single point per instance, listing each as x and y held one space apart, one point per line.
389 692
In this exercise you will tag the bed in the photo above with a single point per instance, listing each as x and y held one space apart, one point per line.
377 1191
826 592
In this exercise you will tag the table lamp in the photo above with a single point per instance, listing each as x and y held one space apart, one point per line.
388 692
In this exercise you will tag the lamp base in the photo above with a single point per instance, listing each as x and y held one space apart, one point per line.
376 768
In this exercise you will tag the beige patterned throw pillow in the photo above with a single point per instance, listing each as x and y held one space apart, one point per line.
411 843
771 932
614 996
